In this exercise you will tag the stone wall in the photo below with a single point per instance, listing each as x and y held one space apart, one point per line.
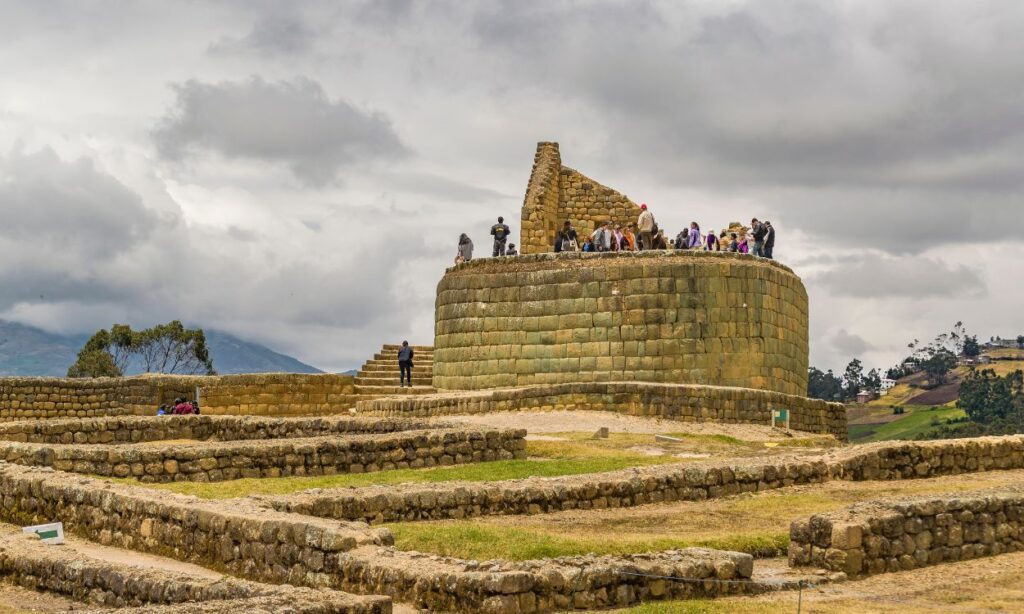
248 540
680 482
217 461
29 563
685 403
24 398
682 317
557 193
888 536
137 429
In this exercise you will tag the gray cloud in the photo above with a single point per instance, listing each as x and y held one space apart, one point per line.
293 122
273 34
881 277
849 344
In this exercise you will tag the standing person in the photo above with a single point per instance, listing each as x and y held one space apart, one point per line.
566 239
758 231
646 225
734 244
617 238
500 232
465 253
602 238
769 240
405 355
695 238
511 251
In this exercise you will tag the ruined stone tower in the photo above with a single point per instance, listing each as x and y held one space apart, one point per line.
557 193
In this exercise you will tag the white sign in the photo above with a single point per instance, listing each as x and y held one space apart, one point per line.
52 533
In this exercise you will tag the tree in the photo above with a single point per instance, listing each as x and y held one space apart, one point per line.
993 401
94 363
938 365
172 348
853 379
824 386
1020 342
971 348
873 381
165 348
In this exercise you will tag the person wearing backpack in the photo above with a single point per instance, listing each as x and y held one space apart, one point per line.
566 239
500 232
405 355
646 225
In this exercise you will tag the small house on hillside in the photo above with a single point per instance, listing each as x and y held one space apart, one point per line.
984 359
865 396
887 385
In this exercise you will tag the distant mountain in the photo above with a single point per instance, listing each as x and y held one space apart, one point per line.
26 350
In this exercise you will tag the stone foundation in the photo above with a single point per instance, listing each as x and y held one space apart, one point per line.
29 563
889 536
683 317
217 461
24 398
136 429
247 540
685 403
682 482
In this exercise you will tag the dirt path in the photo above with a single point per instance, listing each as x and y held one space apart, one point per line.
17 600
537 422
137 559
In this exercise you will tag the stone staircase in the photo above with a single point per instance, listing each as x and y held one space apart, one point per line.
380 375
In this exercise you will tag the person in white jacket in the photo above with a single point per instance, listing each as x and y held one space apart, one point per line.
646 225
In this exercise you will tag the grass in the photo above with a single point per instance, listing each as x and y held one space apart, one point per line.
914 422
547 459
757 523
482 541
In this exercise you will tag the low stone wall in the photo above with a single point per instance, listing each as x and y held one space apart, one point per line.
136 429
682 402
27 562
24 398
888 536
217 461
249 540
682 482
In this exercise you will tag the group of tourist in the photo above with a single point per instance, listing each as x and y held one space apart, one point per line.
180 407
644 234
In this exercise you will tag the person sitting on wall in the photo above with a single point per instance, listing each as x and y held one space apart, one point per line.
734 244
629 238
183 407
646 225
588 245
500 232
659 240
511 251
163 410
566 238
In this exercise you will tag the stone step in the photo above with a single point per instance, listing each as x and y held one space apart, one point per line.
376 370
416 356
393 390
416 348
394 363
389 381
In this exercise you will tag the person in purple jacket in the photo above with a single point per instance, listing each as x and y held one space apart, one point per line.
696 239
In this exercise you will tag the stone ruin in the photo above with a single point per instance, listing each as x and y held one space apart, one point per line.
685 336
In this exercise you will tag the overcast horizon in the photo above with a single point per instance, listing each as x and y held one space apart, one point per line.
297 174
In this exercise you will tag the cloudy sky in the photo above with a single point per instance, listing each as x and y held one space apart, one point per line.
297 173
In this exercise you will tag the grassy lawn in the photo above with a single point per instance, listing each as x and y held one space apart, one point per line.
914 422
547 459
756 523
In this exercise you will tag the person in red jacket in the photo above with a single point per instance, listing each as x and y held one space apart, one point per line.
183 407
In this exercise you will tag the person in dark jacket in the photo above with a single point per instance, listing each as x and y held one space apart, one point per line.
758 231
500 232
769 239
566 238
405 354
